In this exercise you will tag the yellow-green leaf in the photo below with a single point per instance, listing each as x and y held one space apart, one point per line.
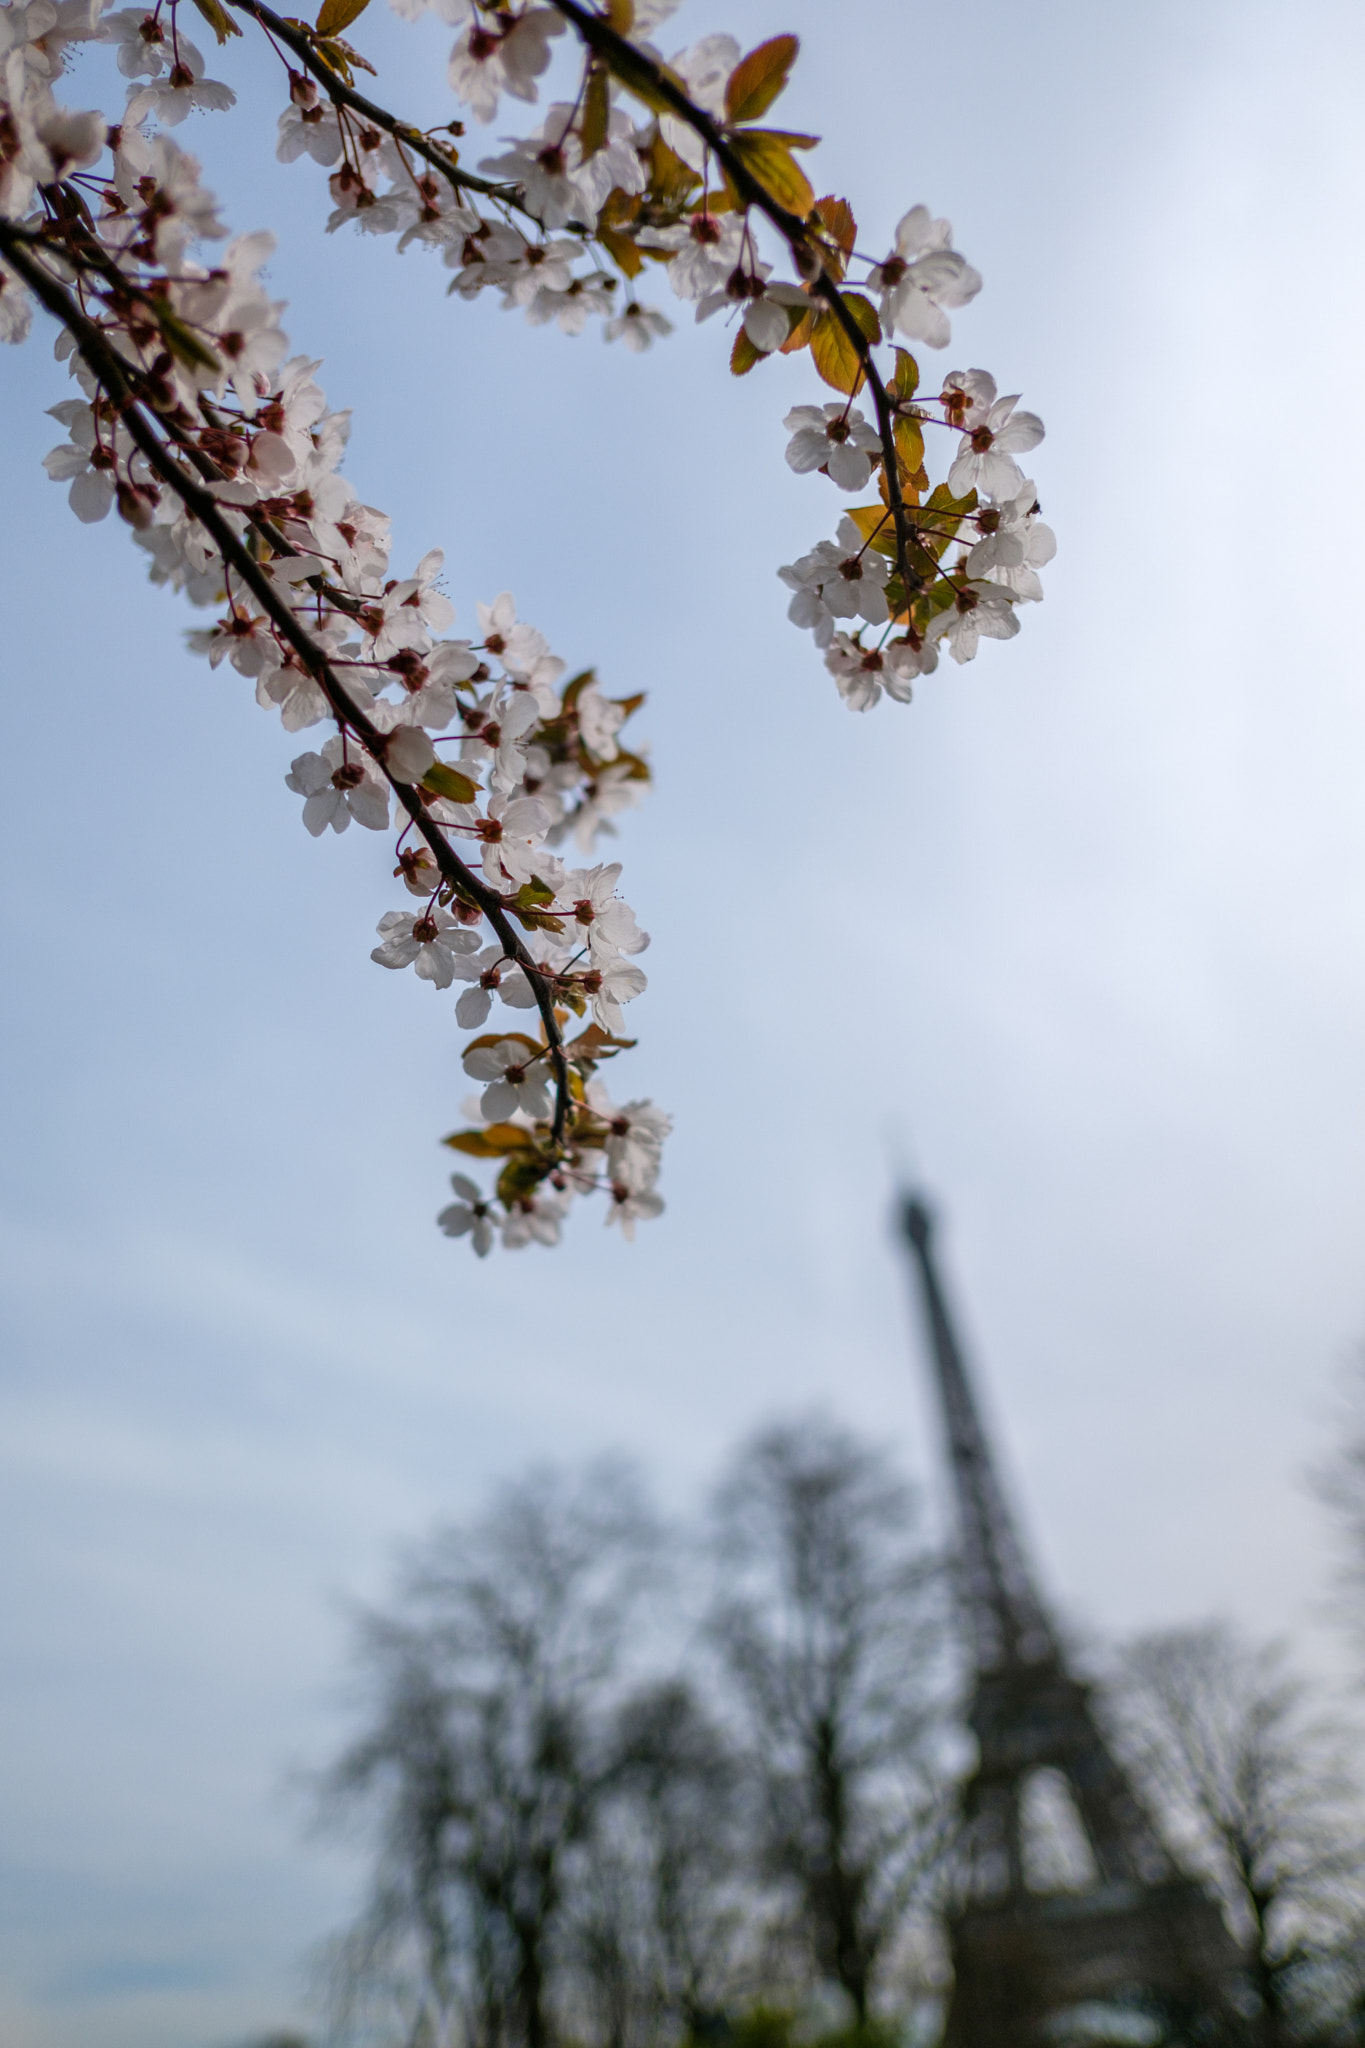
832 350
494 1141
443 780
336 15
875 525
592 132
905 383
534 895
943 500
758 78
767 157
910 445
790 136
218 19
337 52
621 15
671 180
183 343
520 1178
623 252
744 355
802 330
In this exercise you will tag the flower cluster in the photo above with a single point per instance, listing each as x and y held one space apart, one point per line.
581 205
219 451
878 626
221 454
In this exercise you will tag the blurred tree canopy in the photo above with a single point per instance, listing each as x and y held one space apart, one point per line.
629 1784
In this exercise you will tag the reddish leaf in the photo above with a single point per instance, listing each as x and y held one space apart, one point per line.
758 78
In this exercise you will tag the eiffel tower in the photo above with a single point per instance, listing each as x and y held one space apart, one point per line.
1127 1948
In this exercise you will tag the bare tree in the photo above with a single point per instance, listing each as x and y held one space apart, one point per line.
827 1625
667 1905
487 1756
1256 1796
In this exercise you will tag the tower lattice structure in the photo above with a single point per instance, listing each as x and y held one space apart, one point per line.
1129 1941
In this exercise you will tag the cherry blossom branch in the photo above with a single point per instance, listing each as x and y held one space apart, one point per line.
341 94
20 252
627 62
226 460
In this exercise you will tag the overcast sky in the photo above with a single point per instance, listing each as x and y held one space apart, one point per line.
1084 927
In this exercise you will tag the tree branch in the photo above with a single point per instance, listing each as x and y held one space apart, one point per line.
305 49
115 376
623 58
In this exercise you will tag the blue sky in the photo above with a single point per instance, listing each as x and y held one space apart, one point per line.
1086 921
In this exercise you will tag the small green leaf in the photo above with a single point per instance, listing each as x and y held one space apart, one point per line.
910 445
340 57
832 350
768 158
744 355
942 500
183 343
875 525
758 78
535 920
534 895
443 780
622 250
671 180
592 132
520 1178
218 19
336 15
494 1141
905 383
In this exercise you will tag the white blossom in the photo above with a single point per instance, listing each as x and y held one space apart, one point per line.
834 437
986 462
430 943
516 1077
922 275
469 1217
337 785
